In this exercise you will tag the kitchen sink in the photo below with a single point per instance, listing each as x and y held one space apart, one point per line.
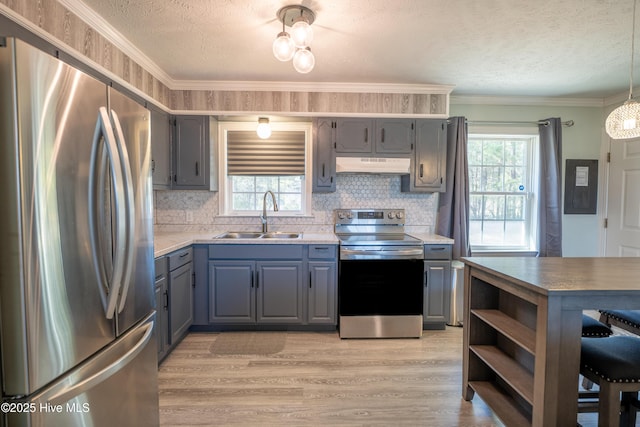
239 235
281 235
258 235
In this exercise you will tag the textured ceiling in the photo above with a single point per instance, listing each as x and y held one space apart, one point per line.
549 48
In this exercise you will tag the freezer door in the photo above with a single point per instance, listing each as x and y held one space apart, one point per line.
52 312
132 127
117 387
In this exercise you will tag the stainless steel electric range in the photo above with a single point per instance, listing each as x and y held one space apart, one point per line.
381 270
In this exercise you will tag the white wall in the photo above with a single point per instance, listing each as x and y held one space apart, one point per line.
580 233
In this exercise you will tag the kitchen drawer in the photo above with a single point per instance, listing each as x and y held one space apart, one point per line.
323 251
437 252
180 258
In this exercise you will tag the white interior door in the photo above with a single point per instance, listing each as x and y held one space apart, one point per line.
623 208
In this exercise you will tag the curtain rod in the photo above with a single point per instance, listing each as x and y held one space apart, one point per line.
568 123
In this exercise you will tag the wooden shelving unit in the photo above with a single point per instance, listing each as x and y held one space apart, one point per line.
501 349
523 326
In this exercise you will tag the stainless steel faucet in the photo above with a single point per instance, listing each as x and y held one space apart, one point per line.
263 217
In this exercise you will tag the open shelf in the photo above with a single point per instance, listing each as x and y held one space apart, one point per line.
514 374
503 405
520 334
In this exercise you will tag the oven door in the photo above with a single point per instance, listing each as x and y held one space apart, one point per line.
380 287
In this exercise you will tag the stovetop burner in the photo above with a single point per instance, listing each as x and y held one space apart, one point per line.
375 234
378 239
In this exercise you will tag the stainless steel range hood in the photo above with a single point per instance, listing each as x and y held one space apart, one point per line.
374 165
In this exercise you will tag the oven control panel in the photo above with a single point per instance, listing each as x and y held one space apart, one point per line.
369 217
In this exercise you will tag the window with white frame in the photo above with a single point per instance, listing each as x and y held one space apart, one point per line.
250 166
502 193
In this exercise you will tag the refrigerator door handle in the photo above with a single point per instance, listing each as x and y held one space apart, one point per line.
69 391
125 166
104 154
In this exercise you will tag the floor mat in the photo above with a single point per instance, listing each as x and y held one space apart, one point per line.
248 343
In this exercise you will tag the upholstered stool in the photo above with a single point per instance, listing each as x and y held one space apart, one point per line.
614 364
628 320
592 328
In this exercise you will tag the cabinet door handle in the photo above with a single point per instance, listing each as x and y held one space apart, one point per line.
366 135
257 279
197 169
421 170
426 279
310 279
184 254
166 300
153 166
193 279
382 136
252 280
323 170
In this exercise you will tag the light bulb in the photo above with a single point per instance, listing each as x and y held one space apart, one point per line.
283 47
301 33
264 129
304 61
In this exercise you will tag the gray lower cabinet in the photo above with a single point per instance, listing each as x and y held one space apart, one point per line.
174 299
162 306
255 292
267 286
180 293
322 299
437 286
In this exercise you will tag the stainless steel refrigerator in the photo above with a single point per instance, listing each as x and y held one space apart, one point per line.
76 248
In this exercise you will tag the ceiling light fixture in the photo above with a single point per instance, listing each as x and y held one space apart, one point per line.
296 45
624 121
264 128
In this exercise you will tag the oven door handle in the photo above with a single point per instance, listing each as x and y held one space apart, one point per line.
395 253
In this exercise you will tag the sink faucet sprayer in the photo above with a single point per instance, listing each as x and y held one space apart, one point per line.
263 217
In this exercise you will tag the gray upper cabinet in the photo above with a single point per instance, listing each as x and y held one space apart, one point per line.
161 150
394 136
374 136
354 135
428 169
191 156
324 155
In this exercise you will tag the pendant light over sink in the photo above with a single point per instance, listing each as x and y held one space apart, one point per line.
297 45
624 121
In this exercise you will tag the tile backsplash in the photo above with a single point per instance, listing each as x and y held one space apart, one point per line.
198 210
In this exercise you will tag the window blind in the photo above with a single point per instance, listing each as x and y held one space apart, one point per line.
281 154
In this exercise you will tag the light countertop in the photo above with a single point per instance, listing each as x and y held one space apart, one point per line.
165 242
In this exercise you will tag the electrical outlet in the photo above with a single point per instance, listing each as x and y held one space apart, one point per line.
189 217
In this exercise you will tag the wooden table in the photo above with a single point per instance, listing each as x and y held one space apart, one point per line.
522 329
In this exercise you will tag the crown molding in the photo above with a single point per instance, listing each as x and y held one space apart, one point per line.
103 27
259 86
526 100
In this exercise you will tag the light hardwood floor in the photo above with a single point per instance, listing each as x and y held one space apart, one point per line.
320 380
